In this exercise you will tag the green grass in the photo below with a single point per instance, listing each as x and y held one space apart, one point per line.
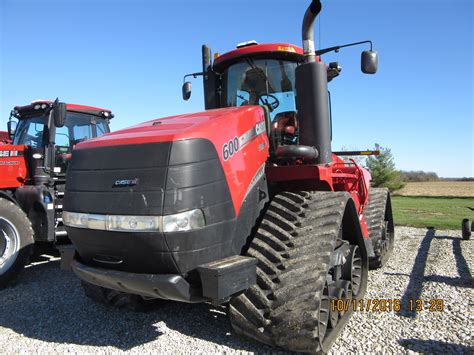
439 212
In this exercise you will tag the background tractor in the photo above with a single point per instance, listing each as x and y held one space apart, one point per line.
4 137
33 165
243 203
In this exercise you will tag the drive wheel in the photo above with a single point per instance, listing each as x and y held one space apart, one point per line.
117 299
378 216
299 273
16 241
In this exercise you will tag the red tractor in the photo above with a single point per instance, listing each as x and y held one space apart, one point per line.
4 138
33 172
244 203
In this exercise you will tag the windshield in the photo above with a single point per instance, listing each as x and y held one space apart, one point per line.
30 132
78 127
259 81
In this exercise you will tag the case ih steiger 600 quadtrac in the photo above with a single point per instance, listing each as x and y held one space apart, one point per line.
32 175
243 203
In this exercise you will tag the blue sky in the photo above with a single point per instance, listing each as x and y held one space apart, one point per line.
130 56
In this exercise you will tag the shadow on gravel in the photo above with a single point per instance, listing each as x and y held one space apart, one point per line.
417 276
48 304
433 346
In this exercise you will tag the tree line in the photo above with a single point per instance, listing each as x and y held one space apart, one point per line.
419 176
385 174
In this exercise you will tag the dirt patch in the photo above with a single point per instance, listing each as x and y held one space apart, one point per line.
439 188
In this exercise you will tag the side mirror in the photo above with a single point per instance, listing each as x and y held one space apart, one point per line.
186 90
59 114
11 128
369 62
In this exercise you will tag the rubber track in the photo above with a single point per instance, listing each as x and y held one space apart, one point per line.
293 245
374 217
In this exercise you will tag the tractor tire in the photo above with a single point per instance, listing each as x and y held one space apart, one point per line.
378 216
466 228
117 299
16 241
295 243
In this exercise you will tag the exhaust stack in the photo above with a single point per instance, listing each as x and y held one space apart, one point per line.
312 93
206 68
308 30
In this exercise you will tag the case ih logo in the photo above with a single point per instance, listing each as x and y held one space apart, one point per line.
123 183
8 153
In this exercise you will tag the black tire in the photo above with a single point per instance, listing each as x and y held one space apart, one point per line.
289 306
379 220
16 241
117 299
466 228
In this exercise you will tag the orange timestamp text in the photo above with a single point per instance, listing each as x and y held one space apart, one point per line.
386 305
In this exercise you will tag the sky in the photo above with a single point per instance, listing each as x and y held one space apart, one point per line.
131 56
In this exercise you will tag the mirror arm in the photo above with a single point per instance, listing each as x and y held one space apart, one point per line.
337 48
194 75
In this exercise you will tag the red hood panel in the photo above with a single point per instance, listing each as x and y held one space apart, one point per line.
187 126
12 166
220 127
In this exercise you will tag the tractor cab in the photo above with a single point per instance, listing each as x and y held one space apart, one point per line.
35 163
293 94
257 74
262 75
50 140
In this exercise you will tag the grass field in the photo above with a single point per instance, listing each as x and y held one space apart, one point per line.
441 204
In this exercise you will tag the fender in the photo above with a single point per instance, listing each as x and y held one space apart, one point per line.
38 204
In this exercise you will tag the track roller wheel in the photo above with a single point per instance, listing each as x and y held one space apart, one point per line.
347 287
336 294
324 310
379 219
299 264
352 269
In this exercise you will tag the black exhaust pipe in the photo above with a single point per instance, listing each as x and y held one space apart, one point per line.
312 93
308 30
208 79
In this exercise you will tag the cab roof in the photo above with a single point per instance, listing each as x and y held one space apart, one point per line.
273 50
33 107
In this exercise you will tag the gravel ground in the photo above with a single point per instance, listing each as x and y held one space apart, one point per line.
47 311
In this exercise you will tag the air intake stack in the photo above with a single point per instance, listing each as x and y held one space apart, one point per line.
312 93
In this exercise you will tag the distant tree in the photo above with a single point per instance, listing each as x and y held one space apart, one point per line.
419 176
382 168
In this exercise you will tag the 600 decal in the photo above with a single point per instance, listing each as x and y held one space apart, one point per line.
230 148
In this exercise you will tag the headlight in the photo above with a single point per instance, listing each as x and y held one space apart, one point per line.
78 220
183 221
172 223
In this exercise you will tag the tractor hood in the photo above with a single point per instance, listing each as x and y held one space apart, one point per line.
206 124
179 160
13 170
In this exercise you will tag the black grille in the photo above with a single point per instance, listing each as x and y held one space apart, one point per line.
92 175
158 178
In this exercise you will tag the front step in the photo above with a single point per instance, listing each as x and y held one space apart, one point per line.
223 278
